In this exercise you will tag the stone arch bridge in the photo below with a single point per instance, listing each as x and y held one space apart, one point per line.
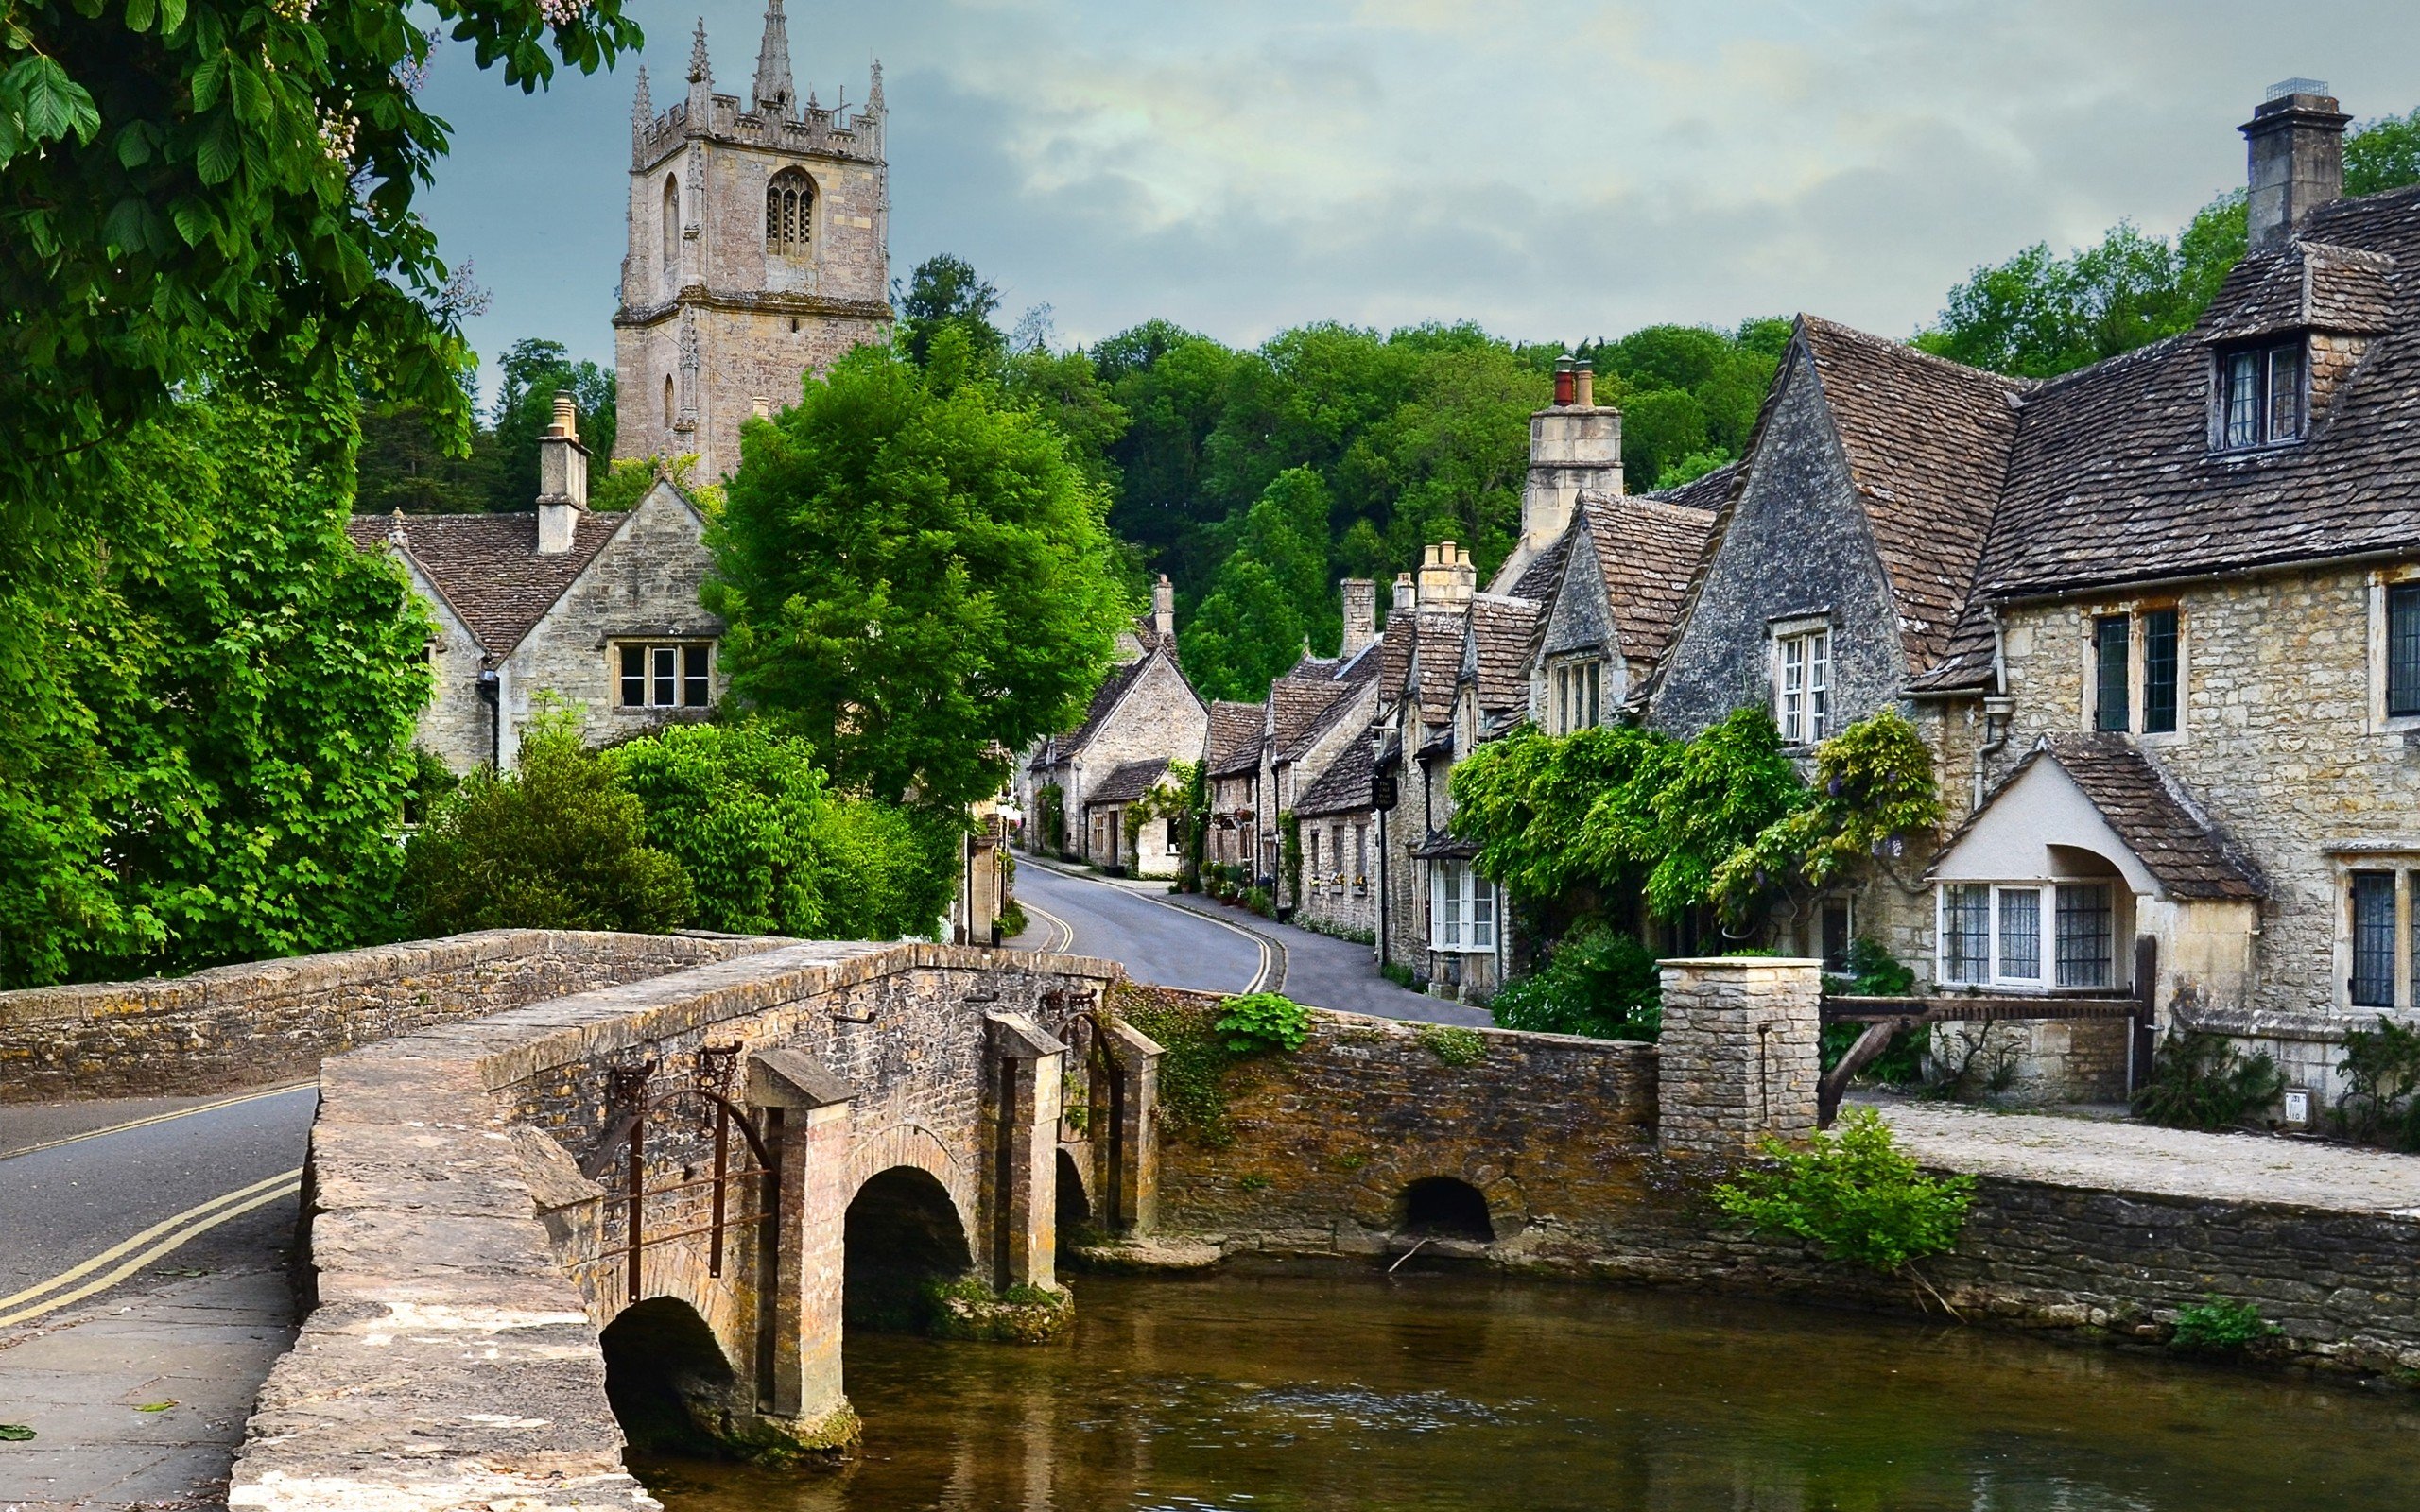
695 1143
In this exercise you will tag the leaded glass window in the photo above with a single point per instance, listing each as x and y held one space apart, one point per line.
2403 649
2374 939
2022 934
2262 396
2109 638
1966 932
2084 932
2159 671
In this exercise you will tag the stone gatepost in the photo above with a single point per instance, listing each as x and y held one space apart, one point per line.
805 1113
1740 1054
1133 1184
1026 1068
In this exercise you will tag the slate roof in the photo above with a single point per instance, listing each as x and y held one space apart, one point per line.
1928 443
1395 654
488 566
1300 708
2303 284
1235 729
1128 781
1344 787
1442 846
1439 661
1646 549
1706 491
1537 580
1112 687
2165 831
1502 633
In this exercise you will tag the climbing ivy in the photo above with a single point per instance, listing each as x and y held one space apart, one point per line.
1172 800
1050 818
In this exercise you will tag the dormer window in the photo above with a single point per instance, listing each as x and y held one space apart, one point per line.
2261 396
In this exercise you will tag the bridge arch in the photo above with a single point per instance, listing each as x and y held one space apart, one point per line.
901 1233
671 1385
912 1145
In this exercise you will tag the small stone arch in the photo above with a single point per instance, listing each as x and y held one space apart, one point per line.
1444 1207
672 1387
789 214
668 402
1379 1207
902 1232
914 1144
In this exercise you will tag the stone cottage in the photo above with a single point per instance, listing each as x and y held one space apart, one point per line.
1238 737
2159 620
1145 710
561 608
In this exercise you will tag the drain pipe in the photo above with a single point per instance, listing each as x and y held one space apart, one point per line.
491 694
1999 710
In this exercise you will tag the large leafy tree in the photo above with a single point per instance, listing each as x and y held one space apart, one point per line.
225 778
916 575
533 372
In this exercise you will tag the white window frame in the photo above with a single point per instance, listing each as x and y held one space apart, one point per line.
2044 936
1462 909
653 675
1579 695
1802 680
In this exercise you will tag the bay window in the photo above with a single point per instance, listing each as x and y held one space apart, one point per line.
1462 909
1999 934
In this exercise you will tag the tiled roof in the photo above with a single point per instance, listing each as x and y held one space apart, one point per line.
1928 443
2114 479
1439 660
488 566
1442 846
1234 736
1344 787
1126 782
1646 548
2304 285
1537 580
1501 631
2157 822
1707 491
1296 708
1395 654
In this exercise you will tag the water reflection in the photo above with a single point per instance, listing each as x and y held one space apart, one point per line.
1285 1394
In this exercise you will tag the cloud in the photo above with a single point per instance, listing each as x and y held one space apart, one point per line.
1547 170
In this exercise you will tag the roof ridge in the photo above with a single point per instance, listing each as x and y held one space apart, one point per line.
1922 357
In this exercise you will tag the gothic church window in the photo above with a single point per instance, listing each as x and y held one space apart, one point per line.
789 214
671 229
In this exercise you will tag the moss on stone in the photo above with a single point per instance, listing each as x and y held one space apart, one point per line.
969 1310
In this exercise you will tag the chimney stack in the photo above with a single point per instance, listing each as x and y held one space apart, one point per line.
1361 597
1564 381
563 479
1575 447
1447 580
2296 140
1164 607
1406 596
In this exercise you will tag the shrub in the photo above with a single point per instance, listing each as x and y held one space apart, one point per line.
2202 1081
2381 1072
1263 1021
2217 1326
1452 1044
559 844
1596 981
770 850
1854 1194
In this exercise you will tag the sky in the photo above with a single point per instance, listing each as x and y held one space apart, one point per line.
1554 171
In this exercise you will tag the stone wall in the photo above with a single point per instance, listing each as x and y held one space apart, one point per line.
1337 897
235 1026
1739 1052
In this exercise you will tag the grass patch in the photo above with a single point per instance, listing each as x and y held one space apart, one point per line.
1451 1043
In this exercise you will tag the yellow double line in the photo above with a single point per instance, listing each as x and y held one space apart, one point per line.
1066 934
125 1258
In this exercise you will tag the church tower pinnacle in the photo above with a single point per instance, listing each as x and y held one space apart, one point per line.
775 95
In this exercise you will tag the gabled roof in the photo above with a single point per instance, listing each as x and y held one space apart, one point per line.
1705 491
1297 707
1500 634
1537 580
2304 285
1344 787
488 566
1235 729
1121 676
1128 781
2167 831
1438 660
1647 551
1395 654
1928 443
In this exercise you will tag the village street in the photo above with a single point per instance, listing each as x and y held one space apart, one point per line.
1183 940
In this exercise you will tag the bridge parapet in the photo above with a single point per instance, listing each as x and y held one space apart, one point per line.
472 1195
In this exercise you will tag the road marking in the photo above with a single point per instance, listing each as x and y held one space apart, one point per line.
1067 931
161 1117
179 1230
1262 943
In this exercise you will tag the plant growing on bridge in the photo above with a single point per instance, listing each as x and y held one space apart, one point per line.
1451 1043
1853 1193
2202 1081
1260 1022
2214 1325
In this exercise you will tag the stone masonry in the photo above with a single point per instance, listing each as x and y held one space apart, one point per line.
1740 1054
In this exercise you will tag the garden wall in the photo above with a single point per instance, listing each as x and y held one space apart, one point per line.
235 1026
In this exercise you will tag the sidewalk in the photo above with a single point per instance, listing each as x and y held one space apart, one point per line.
2113 1157
92 1389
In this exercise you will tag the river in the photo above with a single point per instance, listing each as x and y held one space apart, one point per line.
1333 1392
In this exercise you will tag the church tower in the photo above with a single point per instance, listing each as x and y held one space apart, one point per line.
759 252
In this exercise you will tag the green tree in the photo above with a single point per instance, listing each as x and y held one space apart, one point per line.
531 373
560 843
770 850
945 293
405 463
233 754
1270 599
916 577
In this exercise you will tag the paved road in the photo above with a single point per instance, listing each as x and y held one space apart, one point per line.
199 1189
1189 942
